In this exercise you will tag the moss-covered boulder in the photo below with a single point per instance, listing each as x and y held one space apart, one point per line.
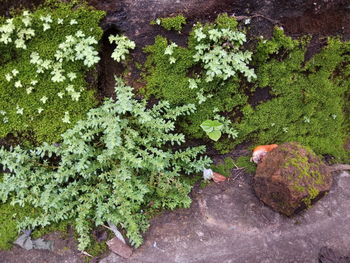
290 178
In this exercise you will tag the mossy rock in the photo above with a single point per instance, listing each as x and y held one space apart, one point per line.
290 178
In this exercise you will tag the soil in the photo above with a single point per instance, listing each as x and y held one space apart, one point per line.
241 226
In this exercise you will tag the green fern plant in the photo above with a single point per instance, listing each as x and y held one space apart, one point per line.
108 168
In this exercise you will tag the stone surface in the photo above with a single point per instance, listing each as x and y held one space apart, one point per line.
290 178
118 247
228 224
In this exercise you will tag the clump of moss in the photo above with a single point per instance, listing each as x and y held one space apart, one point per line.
225 167
170 81
306 170
308 98
244 161
9 215
171 23
32 103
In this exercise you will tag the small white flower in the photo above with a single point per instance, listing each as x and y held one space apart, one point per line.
2 112
60 94
306 119
72 76
70 39
334 116
60 21
8 77
15 72
75 96
285 129
46 19
5 120
66 118
40 110
215 110
192 84
158 21
247 21
273 124
46 26
80 34
73 22
18 84
34 82
29 90
70 88
172 60
27 21
19 110
44 99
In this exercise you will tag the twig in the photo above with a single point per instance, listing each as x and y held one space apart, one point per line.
240 172
107 227
85 253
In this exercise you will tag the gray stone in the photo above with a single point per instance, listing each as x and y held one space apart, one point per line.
236 227
119 247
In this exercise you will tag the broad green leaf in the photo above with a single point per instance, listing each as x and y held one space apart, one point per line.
214 135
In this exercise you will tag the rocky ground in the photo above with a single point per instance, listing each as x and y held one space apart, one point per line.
227 224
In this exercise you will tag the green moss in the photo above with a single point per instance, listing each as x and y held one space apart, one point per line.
171 82
244 161
225 167
9 215
98 248
61 227
171 23
307 170
48 125
308 99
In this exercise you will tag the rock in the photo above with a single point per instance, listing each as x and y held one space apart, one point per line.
118 247
290 178
327 255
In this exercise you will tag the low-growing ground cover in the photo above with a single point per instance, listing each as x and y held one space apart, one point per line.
307 100
44 58
118 162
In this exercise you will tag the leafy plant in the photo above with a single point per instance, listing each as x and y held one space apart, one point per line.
110 167
170 23
219 49
122 48
44 57
183 80
212 129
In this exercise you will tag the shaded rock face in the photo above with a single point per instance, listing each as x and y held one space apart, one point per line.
290 178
